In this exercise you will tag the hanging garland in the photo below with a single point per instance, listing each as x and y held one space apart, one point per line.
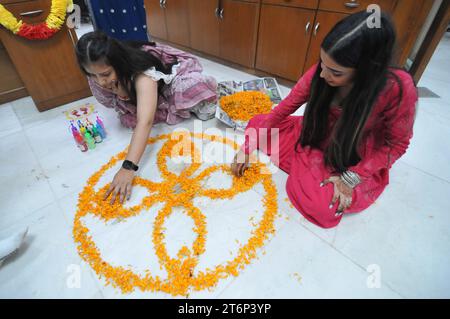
41 31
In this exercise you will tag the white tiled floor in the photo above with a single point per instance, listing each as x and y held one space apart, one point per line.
404 236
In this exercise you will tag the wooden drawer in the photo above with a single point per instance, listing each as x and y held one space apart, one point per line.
308 4
22 10
351 6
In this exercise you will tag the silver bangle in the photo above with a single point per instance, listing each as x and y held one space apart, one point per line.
351 179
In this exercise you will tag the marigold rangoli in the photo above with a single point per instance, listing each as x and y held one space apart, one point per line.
180 271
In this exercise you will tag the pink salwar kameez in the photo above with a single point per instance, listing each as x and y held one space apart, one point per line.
386 137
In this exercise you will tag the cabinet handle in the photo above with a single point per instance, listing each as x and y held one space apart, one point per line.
160 3
31 13
307 27
316 28
221 13
352 4
217 13
164 3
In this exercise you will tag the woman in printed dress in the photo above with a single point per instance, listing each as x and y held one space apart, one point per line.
145 83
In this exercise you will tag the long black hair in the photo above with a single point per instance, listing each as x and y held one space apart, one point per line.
369 50
127 58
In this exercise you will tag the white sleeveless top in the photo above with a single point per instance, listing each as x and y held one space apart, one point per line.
156 75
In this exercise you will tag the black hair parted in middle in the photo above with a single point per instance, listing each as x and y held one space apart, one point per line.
352 43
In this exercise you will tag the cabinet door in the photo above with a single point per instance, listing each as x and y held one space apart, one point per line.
204 26
156 20
238 32
284 35
325 21
177 21
47 67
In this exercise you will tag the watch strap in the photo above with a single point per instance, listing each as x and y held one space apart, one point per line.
129 165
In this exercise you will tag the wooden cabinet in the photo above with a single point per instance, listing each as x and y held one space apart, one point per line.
324 22
11 85
238 31
284 35
177 21
204 26
279 37
168 20
156 19
297 41
409 18
226 28
48 68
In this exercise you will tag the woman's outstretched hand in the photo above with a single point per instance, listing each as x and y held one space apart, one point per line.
342 192
120 186
240 163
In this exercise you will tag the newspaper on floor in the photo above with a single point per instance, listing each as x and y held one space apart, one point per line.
268 86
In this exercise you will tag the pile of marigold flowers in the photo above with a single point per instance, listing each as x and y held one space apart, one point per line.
180 270
243 106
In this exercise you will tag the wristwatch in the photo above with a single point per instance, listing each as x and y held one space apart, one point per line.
129 165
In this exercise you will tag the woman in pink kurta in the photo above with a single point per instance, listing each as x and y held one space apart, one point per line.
333 167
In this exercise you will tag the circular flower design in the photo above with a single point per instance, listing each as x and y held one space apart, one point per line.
174 191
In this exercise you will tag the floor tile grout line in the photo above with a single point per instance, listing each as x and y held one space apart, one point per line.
423 171
337 250
443 117
347 257
55 198
22 129
258 260
12 133
28 215
42 170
